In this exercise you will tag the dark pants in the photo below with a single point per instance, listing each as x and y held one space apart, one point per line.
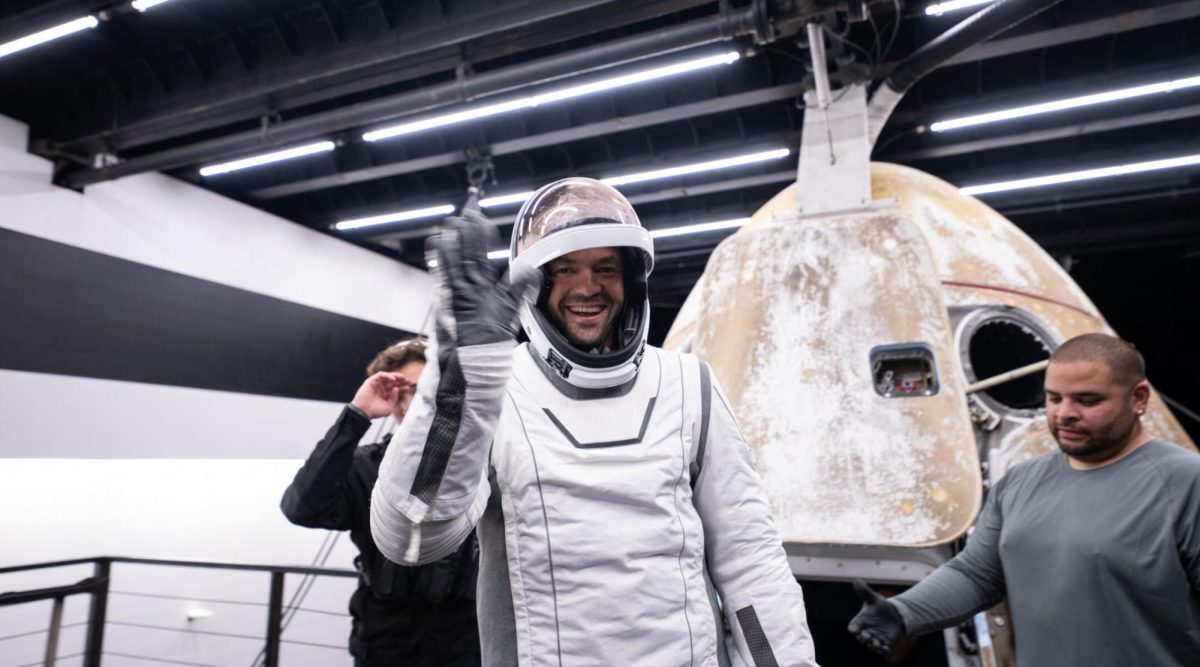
413 633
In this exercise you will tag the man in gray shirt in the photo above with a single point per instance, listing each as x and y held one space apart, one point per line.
1097 546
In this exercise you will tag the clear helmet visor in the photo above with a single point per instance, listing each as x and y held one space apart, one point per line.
568 203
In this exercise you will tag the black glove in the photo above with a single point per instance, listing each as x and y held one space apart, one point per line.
878 625
483 307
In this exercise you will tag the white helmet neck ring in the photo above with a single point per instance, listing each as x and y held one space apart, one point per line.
565 360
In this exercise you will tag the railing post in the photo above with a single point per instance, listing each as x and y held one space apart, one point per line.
52 635
94 644
274 620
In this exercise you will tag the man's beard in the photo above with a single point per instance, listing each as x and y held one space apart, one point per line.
1099 445
588 345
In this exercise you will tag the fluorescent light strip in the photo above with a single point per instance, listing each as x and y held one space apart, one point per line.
550 97
1086 175
952 6
143 5
71 27
697 228
1069 103
268 158
635 78
399 216
713 165
517 198
448 119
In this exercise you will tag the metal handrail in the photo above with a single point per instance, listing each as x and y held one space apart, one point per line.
98 587
89 585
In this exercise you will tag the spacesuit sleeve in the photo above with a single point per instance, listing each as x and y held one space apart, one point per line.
760 598
432 485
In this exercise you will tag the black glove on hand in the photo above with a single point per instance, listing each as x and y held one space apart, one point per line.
484 307
878 625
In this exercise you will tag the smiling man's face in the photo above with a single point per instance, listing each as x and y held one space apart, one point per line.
586 294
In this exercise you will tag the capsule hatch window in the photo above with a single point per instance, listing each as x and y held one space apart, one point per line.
904 370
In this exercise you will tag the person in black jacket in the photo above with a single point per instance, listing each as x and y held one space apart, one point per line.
402 616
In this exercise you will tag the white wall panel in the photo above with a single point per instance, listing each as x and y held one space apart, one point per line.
47 415
169 224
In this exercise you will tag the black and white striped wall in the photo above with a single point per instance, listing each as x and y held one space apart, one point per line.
168 358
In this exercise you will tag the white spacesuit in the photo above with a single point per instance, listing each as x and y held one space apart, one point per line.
618 509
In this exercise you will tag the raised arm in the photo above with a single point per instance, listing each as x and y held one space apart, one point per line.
432 488
761 599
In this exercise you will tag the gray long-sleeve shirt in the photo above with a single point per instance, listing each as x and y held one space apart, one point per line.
1101 567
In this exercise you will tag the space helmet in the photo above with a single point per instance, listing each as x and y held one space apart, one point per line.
578 214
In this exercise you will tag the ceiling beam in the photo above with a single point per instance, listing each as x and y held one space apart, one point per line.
1050 134
555 138
970 103
192 112
1075 32
316 78
643 45
1111 25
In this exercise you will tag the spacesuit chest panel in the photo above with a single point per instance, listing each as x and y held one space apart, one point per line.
605 547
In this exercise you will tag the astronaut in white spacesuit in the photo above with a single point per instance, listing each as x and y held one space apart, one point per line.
619 513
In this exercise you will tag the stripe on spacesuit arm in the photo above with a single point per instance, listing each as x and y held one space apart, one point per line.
697 462
756 639
705 408
443 431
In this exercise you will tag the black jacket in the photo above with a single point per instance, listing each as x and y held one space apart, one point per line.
402 615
